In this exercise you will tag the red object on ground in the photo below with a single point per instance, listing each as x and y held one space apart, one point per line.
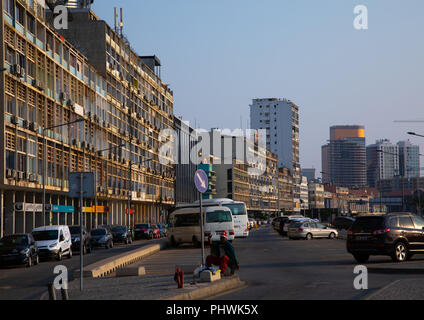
222 262
179 278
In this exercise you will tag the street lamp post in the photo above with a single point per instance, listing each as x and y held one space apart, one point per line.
44 169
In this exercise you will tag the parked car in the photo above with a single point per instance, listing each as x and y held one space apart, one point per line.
309 229
143 231
18 249
76 241
101 238
121 234
163 231
53 241
343 223
108 227
398 235
155 231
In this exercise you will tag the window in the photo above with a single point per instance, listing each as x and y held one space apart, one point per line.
10 160
8 7
31 24
406 222
20 15
419 222
10 105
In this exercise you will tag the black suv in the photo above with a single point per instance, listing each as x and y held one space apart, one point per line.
76 241
121 234
398 235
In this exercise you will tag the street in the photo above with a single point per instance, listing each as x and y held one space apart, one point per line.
277 268
20 283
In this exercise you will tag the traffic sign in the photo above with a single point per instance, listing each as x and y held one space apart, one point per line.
201 181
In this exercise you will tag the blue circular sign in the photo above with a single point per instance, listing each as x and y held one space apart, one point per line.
201 181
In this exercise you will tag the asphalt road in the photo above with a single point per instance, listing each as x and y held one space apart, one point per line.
20 283
276 268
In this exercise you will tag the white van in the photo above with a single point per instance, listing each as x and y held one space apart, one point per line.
53 241
184 225
238 210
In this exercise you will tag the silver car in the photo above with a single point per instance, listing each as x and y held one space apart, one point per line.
309 230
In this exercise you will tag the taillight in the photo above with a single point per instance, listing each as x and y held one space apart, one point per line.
300 230
247 227
231 232
350 233
382 231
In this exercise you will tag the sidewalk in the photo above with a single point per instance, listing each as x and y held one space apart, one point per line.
406 289
158 283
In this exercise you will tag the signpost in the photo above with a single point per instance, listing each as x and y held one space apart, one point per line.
202 183
81 185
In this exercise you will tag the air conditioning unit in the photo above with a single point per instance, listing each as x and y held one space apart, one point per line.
14 120
33 178
20 175
9 173
25 124
19 206
17 69
69 103
74 142
33 127
22 73
63 96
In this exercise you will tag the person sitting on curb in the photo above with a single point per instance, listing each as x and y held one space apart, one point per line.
228 259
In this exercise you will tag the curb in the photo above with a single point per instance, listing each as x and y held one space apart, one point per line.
395 270
372 295
212 290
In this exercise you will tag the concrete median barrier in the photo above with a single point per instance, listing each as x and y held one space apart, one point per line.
107 266
210 290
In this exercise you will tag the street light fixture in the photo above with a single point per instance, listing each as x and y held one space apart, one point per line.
45 160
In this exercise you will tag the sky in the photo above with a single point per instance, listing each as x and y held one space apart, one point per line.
217 55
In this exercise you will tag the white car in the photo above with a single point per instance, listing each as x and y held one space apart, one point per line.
53 241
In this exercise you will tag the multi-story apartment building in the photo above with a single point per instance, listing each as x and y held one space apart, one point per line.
304 194
316 195
346 157
124 104
382 161
234 180
285 199
409 159
185 168
280 119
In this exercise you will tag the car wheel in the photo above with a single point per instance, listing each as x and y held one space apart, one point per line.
361 258
59 255
70 254
332 235
400 253
29 263
173 242
309 236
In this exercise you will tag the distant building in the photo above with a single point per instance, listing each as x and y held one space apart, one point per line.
304 194
185 191
409 159
345 156
382 161
309 173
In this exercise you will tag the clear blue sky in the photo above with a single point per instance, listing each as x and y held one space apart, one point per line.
218 55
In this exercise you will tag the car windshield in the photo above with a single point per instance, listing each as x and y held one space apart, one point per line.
218 216
98 232
45 235
368 224
75 230
141 226
237 209
14 241
119 229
